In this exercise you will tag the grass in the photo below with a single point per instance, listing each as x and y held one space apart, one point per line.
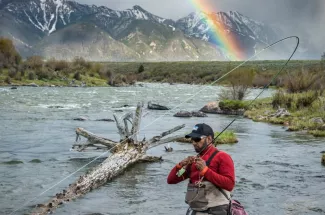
227 137
302 117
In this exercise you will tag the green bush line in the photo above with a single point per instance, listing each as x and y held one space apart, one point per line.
15 70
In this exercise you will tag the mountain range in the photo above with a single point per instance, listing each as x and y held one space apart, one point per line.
65 29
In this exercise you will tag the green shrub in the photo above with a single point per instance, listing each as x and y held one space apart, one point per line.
232 105
43 74
9 57
34 62
77 76
294 101
304 80
8 80
141 69
81 62
31 75
12 73
57 65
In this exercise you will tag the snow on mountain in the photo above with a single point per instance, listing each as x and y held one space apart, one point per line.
37 19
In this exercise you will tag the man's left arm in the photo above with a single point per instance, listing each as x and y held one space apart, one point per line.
225 179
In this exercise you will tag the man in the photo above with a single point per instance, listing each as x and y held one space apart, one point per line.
211 174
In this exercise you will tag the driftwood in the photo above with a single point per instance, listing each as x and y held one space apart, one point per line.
281 112
123 154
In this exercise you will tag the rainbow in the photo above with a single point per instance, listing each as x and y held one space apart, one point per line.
223 38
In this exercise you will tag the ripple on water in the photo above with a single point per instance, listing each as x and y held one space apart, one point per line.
268 178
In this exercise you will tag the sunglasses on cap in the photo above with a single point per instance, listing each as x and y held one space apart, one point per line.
197 139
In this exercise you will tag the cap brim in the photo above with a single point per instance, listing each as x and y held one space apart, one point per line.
193 135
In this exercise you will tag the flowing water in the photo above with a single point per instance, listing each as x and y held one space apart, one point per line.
277 172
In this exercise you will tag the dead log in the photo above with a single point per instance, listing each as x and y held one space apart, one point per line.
124 154
93 139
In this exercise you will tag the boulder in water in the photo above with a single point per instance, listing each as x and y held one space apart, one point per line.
323 159
56 106
105 120
199 114
183 114
152 106
211 107
80 118
32 85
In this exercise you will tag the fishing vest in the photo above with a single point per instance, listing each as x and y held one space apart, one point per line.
205 195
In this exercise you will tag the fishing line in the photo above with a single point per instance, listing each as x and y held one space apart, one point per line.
177 106
266 86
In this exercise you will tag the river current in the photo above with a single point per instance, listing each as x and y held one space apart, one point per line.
277 172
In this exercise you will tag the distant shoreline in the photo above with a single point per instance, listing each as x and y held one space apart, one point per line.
105 74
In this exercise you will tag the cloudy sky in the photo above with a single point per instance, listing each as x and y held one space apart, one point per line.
304 18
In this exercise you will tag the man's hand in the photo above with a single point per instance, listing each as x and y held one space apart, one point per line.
200 164
187 161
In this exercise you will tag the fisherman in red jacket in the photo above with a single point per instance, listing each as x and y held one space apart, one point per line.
211 175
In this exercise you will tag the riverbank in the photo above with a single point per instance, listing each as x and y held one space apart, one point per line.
302 112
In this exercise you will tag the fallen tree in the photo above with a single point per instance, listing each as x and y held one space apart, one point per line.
127 152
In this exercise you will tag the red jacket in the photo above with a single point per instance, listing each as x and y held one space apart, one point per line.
221 171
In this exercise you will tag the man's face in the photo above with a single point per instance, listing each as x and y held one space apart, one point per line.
200 142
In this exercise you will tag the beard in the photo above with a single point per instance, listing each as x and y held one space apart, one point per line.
200 149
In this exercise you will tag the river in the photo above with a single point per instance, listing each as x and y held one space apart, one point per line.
277 172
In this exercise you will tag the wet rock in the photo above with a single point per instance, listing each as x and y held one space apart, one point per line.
211 107
56 106
105 120
152 106
95 214
198 114
80 118
286 123
14 88
35 161
323 159
118 110
183 114
32 85
13 162
317 120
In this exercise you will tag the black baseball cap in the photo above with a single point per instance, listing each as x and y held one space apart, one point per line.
201 130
